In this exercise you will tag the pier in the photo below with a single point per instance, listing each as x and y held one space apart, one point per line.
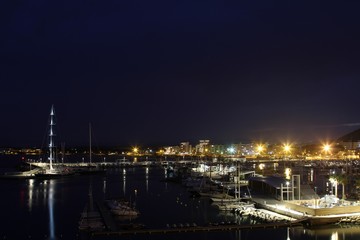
210 228
106 217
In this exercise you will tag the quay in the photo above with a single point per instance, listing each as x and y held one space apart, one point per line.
115 164
210 228
309 216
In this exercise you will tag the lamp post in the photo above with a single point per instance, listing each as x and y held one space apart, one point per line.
327 149
287 149
260 148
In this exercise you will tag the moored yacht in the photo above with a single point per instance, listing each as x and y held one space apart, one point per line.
121 208
50 170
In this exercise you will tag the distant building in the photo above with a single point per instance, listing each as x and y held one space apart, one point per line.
171 150
202 147
185 148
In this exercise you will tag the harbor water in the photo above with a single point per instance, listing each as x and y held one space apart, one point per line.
51 208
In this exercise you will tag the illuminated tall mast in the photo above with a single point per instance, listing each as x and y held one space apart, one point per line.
51 138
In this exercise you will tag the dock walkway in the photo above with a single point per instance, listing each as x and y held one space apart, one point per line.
212 228
107 218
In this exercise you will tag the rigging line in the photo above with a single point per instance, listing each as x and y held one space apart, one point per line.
44 148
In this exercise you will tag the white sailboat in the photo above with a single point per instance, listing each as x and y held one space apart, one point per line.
50 170
90 168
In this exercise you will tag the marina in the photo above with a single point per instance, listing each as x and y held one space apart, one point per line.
182 212
196 120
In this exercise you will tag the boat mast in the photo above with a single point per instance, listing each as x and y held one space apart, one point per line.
239 180
51 138
90 140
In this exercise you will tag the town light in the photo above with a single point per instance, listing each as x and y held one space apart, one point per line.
261 166
287 148
327 148
260 148
231 150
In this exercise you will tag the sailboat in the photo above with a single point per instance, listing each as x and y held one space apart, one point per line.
50 170
90 168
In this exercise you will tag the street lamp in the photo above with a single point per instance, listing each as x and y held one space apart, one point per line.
260 148
327 149
231 150
135 150
287 148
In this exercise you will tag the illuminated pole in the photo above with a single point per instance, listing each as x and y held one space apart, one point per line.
90 141
51 138
326 149
287 149
260 148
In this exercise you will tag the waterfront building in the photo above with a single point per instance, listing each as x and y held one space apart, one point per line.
171 150
202 147
185 148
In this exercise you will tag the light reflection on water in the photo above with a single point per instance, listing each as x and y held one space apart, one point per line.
330 232
30 193
51 191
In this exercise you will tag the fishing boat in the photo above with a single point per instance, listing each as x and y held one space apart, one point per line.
50 170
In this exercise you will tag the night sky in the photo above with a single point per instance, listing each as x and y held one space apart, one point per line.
163 72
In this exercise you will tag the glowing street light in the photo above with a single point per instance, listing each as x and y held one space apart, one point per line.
260 148
287 148
135 150
231 150
327 148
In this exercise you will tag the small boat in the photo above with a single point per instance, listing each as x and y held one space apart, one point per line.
229 206
121 208
124 162
225 198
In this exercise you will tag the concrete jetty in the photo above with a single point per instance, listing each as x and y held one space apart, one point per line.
210 228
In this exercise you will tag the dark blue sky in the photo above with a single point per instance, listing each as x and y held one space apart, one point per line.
162 72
